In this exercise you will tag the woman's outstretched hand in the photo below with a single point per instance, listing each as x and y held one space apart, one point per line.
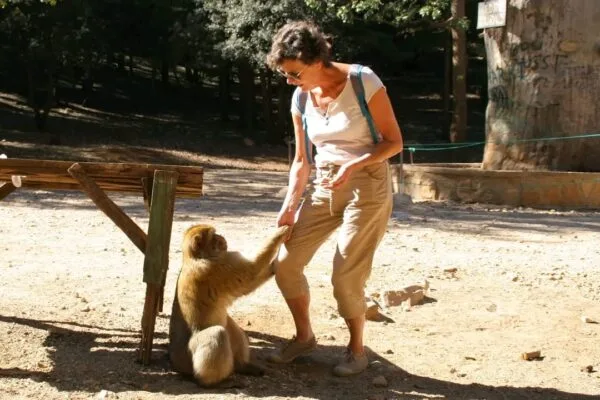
340 178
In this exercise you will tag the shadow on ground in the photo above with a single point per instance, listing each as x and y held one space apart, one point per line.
92 358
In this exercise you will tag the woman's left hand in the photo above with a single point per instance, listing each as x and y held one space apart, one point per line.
341 177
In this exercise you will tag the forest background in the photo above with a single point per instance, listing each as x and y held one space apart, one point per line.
185 81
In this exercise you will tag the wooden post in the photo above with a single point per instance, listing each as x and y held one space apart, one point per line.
156 260
104 203
147 191
6 189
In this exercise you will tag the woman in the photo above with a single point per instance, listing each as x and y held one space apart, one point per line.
352 189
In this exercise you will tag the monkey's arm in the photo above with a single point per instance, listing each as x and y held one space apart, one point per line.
268 252
249 275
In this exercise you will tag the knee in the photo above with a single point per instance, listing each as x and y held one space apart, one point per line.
350 299
291 280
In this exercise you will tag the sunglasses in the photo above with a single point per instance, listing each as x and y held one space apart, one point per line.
291 75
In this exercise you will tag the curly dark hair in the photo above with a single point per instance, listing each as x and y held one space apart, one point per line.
300 40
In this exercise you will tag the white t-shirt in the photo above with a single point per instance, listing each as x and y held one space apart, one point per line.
341 133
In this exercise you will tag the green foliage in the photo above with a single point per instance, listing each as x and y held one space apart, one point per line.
4 3
401 14
245 27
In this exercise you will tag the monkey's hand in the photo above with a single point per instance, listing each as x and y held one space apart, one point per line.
284 232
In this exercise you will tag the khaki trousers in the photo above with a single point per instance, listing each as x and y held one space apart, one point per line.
361 208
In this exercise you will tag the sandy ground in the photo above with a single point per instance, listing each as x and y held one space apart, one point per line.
72 297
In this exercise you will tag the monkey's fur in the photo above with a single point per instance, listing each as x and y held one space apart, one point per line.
203 339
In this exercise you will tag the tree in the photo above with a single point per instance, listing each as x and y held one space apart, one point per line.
543 69
408 17
458 127
245 29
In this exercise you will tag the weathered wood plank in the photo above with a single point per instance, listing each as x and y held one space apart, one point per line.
125 189
104 203
162 207
147 191
148 322
124 177
6 188
156 261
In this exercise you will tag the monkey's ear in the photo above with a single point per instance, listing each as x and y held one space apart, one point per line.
219 243
201 242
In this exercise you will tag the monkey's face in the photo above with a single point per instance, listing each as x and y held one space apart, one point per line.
201 241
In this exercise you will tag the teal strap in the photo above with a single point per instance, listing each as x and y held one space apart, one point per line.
301 98
307 143
359 90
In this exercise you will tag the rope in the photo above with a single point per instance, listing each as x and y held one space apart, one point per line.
445 146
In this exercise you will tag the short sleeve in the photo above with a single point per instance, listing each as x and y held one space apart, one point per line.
294 106
371 82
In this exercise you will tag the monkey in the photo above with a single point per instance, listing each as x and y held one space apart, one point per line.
204 341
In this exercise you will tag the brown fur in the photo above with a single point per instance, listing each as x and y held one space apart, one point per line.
203 339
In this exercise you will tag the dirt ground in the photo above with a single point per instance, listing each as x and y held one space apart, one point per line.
72 298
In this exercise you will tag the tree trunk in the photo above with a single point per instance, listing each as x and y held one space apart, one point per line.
224 89
246 80
283 110
41 88
458 128
266 76
543 69
447 86
130 62
164 71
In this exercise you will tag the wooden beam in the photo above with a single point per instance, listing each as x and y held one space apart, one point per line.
147 191
104 203
125 177
156 261
6 188
148 322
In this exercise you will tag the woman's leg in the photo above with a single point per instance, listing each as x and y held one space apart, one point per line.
299 307
365 222
314 224
356 328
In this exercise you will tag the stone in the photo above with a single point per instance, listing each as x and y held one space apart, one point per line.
412 295
380 381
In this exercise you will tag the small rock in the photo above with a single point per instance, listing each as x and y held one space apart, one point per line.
588 320
532 355
86 309
104 394
380 381
451 270
372 313
413 294
389 351
588 368
492 307
281 193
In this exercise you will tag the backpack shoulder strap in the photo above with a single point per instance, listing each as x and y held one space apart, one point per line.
359 90
301 97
